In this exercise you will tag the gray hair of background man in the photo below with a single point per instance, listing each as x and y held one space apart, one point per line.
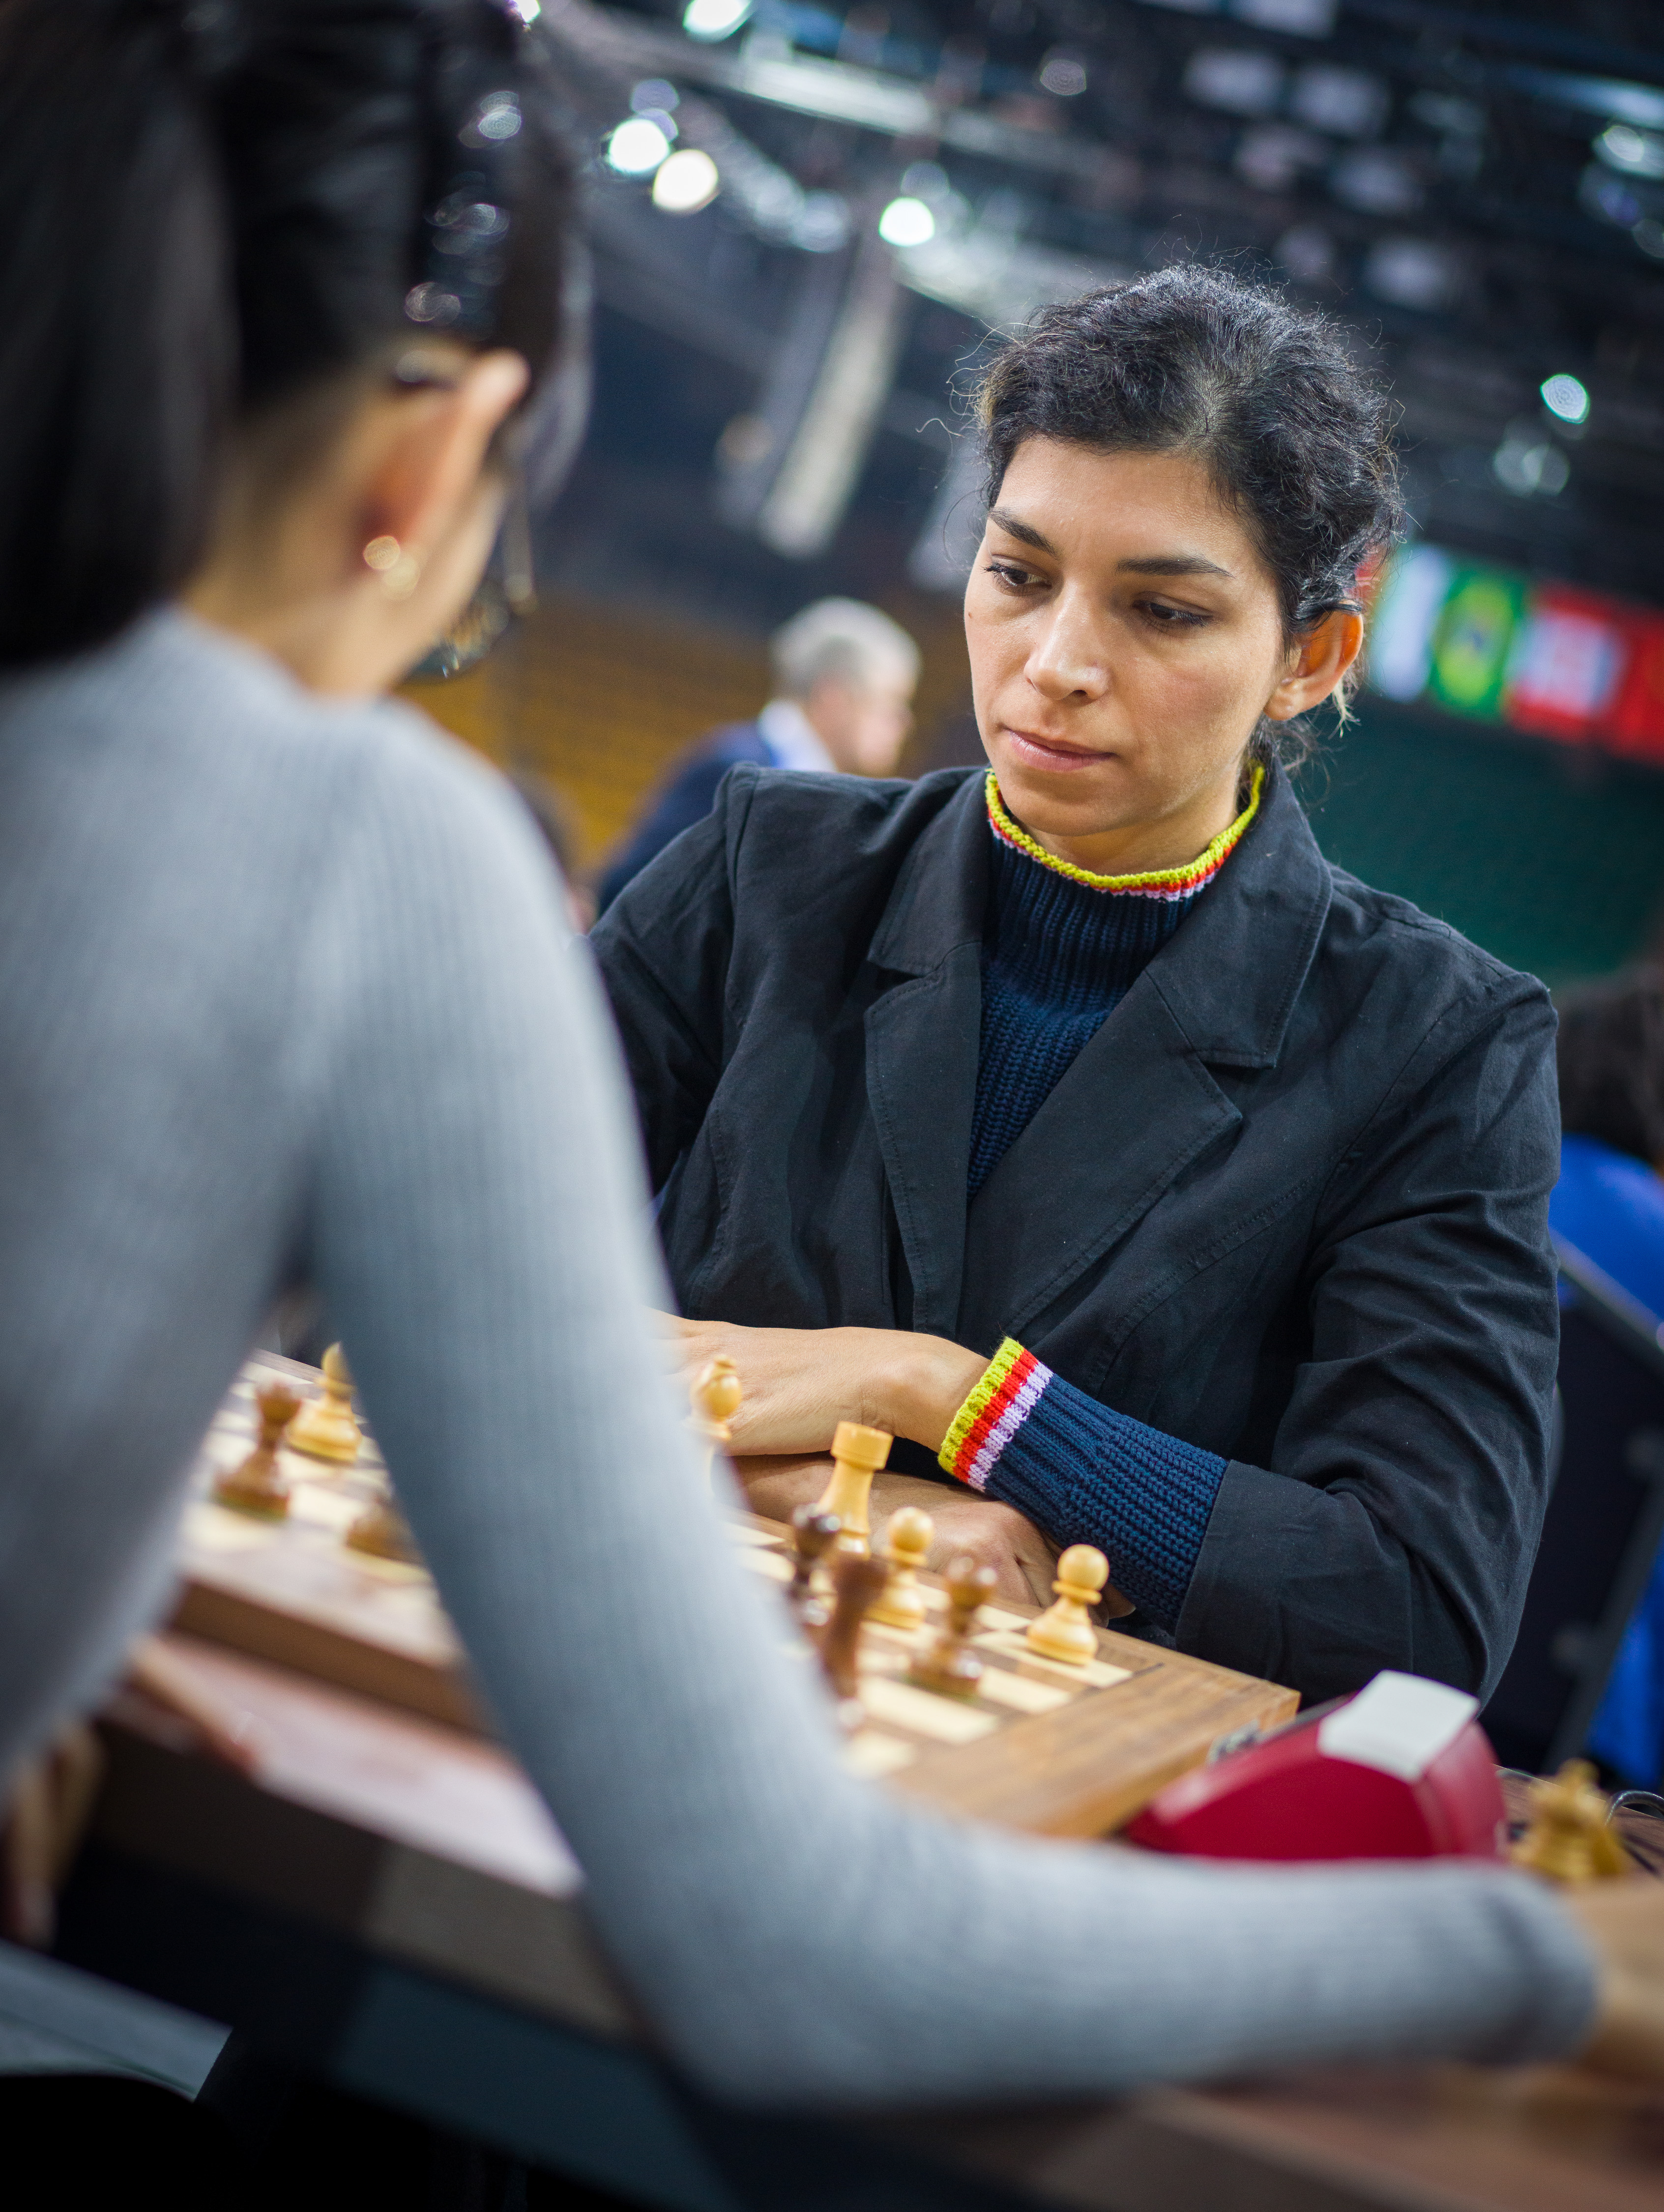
843 640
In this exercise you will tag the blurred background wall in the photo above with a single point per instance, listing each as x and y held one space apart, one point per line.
809 222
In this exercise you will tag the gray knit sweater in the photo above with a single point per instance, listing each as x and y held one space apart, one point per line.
286 989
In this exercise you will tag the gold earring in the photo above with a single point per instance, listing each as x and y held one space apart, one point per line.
400 571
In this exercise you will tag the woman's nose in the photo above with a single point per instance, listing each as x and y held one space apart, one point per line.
1070 661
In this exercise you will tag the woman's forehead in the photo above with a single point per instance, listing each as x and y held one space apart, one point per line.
1159 513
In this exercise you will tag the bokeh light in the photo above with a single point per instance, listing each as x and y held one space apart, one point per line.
907 222
1566 397
636 148
687 182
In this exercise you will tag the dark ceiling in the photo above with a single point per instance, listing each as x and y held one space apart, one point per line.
1478 190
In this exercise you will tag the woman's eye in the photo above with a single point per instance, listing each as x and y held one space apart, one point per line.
1013 576
1169 617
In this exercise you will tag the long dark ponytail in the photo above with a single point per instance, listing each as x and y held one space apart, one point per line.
212 208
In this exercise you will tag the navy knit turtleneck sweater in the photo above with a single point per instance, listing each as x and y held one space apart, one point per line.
1060 949
1057 955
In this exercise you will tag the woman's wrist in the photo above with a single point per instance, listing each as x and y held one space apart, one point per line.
929 1378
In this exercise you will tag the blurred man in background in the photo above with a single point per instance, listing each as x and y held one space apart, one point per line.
844 679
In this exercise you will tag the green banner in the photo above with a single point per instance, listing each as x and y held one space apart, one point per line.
1472 637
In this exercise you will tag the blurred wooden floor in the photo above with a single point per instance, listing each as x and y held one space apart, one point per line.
598 700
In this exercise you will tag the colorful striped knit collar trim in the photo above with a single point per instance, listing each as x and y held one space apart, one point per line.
1154 882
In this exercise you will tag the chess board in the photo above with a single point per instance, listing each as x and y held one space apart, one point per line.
1060 1749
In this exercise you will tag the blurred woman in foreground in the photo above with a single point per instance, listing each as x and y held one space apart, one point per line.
285 988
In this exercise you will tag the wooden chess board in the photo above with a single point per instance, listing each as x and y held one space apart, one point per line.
1063 1750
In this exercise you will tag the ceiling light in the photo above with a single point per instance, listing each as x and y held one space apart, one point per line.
1301 19
636 148
1349 103
907 222
1377 181
1637 153
1063 74
1566 397
1272 155
714 19
687 182
1411 272
1241 83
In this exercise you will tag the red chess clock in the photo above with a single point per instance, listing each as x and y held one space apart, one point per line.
1401 1771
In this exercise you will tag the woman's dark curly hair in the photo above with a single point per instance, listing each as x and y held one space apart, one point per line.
1610 1054
1296 439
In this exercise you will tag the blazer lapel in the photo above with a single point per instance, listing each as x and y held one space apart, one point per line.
1139 1105
922 1038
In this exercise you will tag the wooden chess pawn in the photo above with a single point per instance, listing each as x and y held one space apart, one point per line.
257 1487
1569 1840
382 1531
813 1535
1065 1630
901 1603
326 1428
857 1580
949 1666
857 1456
716 1395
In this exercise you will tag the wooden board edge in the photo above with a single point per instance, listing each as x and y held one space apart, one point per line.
225 1616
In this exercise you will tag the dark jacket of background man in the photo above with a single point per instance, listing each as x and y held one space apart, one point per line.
1289 1203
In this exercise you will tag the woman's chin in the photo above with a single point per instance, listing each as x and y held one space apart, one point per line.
1075 803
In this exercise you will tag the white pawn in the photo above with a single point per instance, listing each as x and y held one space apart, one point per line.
1065 1630
907 1541
326 1428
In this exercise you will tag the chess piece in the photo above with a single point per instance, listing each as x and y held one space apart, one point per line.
901 1603
814 1534
857 1456
857 1579
326 1428
257 1487
949 1667
382 1531
1569 1840
1065 1630
716 1393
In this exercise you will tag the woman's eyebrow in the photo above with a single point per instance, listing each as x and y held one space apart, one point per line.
1025 533
1172 564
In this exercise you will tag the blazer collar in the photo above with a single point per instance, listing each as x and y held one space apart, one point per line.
1273 894
941 891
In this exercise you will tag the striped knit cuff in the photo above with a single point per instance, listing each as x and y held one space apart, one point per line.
1001 1400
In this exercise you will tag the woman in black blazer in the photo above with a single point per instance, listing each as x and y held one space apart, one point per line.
1081 1124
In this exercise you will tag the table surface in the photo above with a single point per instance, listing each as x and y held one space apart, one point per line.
428 1879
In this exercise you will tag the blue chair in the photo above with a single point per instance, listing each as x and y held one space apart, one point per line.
1605 1519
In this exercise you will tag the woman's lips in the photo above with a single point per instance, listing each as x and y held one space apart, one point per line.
1052 754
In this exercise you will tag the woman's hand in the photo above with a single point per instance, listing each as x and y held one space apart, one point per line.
967 1526
1624 1922
800 1382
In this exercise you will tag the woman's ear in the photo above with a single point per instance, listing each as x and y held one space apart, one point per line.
1324 653
432 449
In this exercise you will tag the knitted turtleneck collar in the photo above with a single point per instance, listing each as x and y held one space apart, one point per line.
1154 882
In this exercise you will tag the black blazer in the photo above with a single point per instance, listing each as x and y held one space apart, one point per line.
1289 1203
